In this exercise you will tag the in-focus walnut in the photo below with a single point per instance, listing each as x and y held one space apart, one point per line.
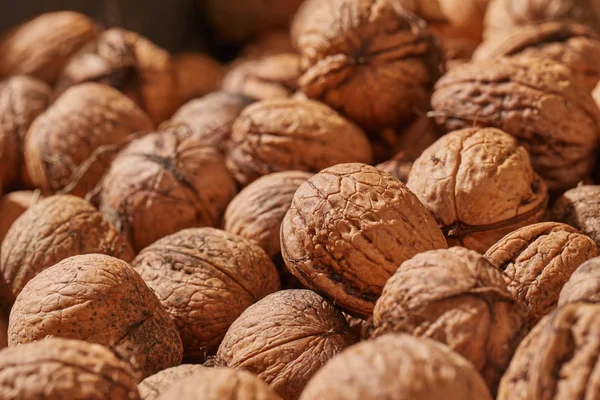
349 228
154 386
285 338
397 367
538 101
397 167
99 299
583 285
129 63
55 228
479 185
458 298
211 117
70 146
197 75
42 46
13 205
165 182
269 44
558 359
371 60
56 368
580 208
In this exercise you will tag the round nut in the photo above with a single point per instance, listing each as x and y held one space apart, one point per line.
397 367
154 386
579 207
285 338
56 368
583 285
283 134
12 205
99 299
458 298
197 75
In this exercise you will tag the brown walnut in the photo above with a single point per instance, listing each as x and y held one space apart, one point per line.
197 75
271 43
12 205
99 299
583 285
285 338
458 51
580 208
398 168
155 385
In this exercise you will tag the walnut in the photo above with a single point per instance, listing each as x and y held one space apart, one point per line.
166 170
458 298
538 101
197 75
349 228
69 147
99 299
269 44
583 285
56 368
283 134
42 46
397 367
154 386
398 168
579 207
479 185
371 60
13 205
558 359
285 338
458 51
129 63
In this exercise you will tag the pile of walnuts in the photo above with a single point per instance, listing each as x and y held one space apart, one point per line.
375 200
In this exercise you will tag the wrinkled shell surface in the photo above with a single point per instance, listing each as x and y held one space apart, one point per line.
57 368
580 208
583 285
285 338
197 75
458 298
349 228
99 299
154 386
281 135
13 205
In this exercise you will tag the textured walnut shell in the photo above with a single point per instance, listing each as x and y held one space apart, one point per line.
129 63
56 368
458 298
42 46
268 44
558 359
537 260
372 60
197 75
282 134
583 285
580 208
397 367
211 117
154 386
398 168
99 299
205 278
165 171
70 146
13 205
285 338
257 211
55 228
349 228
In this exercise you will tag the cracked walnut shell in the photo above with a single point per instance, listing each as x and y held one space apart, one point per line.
580 208
155 385
583 285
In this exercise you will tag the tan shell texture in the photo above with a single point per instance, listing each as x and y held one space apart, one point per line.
154 386
197 75
54 368
99 299
285 338
12 205
579 207
583 285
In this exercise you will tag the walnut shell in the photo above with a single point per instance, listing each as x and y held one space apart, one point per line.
154 386
55 228
56 368
257 211
99 299
285 338
371 60
583 285
537 260
538 101
349 228
398 168
579 207
12 205
197 75
283 134
129 63
456 297
70 146
161 172
42 46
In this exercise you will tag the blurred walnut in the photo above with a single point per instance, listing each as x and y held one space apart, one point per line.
458 51
3 327
580 208
271 43
583 285
12 205
155 385
398 168
197 75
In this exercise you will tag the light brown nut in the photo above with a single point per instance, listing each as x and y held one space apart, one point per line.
479 185
56 228
397 367
349 228
131 64
197 75
205 278
257 211
398 168
583 285
538 101
558 359
283 134
42 46
154 386
271 43
163 183
458 298
99 299
56 368
537 260
70 146
12 205
285 338
580 208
